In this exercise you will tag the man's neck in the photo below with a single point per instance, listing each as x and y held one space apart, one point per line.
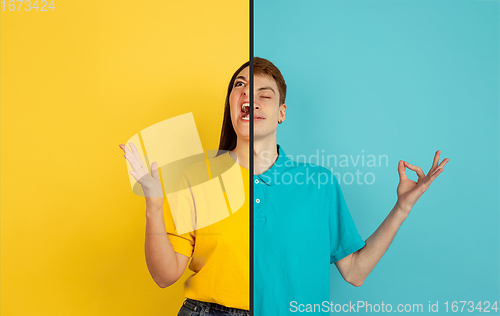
265 154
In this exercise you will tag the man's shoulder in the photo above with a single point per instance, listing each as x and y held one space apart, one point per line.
304 165
314 173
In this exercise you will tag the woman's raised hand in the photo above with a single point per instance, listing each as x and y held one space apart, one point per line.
410 191
150 183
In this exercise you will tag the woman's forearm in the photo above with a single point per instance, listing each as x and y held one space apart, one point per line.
161 258
365 259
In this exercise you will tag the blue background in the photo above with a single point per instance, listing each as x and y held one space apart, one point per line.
402 79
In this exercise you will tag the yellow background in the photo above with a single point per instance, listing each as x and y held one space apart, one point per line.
75 83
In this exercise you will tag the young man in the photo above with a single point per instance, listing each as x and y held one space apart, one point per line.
300 226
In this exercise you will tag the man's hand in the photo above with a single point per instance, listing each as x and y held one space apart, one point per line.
410 191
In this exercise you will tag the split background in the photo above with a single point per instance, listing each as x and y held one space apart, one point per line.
395 78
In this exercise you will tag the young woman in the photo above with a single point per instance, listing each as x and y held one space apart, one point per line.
300 228
219 285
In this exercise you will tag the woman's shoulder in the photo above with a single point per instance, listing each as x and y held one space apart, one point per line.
211 166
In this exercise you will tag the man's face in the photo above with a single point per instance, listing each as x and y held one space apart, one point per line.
267 110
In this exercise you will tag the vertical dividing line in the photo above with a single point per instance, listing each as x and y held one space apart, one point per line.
250 153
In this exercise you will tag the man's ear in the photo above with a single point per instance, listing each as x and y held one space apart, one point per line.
282 112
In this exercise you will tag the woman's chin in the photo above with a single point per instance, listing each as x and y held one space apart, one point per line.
245 135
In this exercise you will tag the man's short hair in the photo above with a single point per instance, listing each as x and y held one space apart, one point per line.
264 67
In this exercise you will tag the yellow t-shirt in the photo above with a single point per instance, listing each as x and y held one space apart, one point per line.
220 250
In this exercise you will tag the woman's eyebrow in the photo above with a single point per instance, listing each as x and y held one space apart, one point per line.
267 88
241 77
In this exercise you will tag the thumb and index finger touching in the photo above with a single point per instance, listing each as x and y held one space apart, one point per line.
433 172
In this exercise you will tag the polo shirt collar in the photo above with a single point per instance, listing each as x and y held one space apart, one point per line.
267 176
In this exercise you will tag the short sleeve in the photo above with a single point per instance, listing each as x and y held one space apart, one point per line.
182 243
344 237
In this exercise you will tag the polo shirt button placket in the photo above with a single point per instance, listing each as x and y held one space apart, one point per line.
256 181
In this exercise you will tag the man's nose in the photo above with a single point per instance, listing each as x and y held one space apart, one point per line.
255 105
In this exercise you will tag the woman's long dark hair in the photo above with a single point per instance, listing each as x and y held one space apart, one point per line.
228 135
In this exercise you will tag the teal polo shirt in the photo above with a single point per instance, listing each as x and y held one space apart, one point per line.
301 226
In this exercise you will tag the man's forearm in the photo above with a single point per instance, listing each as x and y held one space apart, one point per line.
365 259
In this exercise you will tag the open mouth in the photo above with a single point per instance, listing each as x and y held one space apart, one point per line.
245 113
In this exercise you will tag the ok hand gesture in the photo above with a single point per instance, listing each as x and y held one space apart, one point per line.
410 191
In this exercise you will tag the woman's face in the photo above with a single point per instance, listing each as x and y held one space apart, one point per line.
267 111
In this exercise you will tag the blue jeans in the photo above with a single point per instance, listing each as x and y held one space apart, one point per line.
192 307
